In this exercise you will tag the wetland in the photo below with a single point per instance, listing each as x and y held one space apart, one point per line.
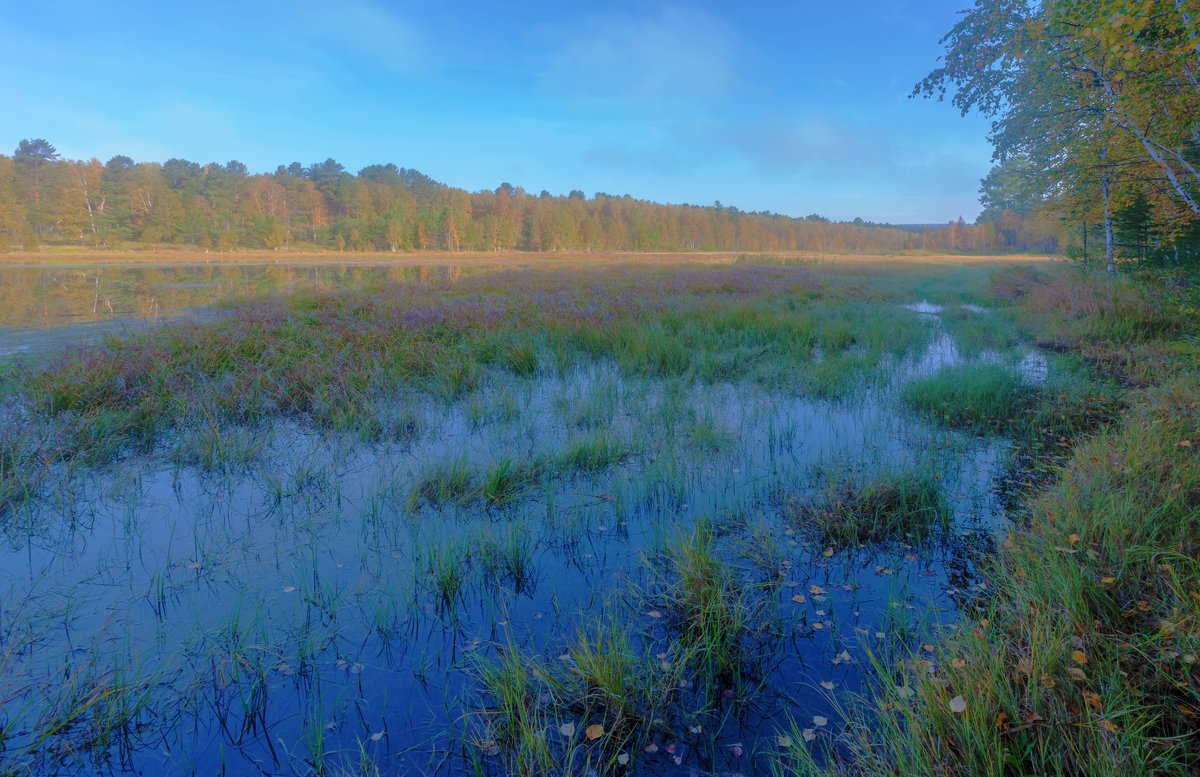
616 518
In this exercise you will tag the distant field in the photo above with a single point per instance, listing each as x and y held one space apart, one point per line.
72 257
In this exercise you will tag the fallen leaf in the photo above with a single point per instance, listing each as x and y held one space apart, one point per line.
820 720
289 589
491 748
1080 657
816 590
828 553
195 565
1109 726
696 729
958 705
808 734
783 741
827 685
595 731
1077 673
655 614
650 748
959 663
567 729
799 599
678 759
1108 580
378 735
1092 698
623 759
1074 538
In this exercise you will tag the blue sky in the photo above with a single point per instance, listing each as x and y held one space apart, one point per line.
796 107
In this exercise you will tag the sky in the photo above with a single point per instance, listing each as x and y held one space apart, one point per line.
792 107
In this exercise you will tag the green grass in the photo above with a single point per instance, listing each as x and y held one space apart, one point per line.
445 483
852 509
975 395
592 453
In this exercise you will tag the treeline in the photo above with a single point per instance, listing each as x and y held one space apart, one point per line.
45 199
1096 119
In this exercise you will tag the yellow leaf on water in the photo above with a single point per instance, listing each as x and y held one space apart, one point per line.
595 731
958 705
816 590
799 599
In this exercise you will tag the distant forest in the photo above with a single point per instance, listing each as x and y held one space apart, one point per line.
45 199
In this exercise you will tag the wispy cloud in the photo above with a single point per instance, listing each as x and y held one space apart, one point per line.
674 59
822 148
363 29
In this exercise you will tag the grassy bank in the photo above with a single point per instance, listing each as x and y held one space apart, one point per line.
1085 660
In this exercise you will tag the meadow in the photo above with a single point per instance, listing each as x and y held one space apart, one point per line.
650 515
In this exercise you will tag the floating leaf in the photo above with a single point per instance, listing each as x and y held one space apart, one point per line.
490 748
827 685
567 729
736 749
820 720
623 759
827 553
595 731
799 599
650 748
784 741
655 614
808 734
378 735
958 705
816 590
696 729
289 589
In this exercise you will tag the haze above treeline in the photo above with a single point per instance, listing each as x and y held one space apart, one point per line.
45 199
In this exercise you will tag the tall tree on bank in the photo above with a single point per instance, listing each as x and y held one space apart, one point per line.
1102 96
35 156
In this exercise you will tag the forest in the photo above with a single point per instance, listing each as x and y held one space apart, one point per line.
45 199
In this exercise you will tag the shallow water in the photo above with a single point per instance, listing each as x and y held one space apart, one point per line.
286 611
48 307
